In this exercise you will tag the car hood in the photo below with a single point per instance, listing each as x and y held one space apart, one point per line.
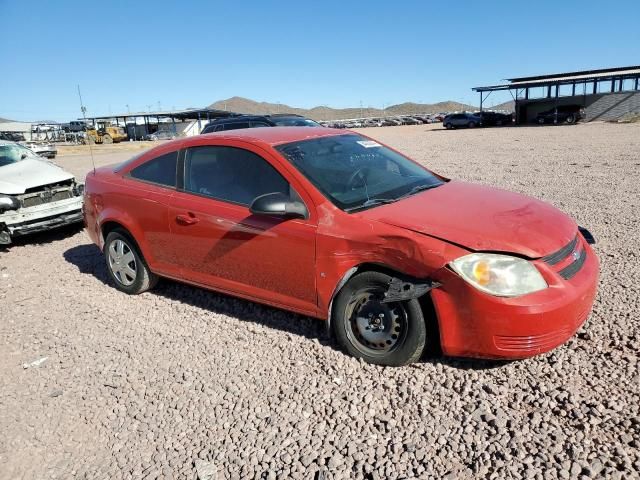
17 177
481 218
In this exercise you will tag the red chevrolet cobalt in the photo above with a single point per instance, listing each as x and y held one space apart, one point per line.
340 227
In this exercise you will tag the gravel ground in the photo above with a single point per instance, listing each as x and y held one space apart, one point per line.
180 380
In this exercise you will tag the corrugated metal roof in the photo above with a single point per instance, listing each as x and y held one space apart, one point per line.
15 127
187 113
565 78
578 77
604 71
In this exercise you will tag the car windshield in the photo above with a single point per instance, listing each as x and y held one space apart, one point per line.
13 153
294 122
355 173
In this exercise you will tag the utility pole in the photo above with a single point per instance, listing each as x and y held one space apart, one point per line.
127 105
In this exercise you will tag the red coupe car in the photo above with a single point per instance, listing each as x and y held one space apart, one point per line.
337 226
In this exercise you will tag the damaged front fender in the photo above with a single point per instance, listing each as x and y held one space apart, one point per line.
413 260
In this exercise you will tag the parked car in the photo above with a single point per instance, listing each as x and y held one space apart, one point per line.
410 121
494 119
46 150
457 120
337 226
388 122
43 127
565 114
424 118
160 135
77 126
35 194
12 136
252 121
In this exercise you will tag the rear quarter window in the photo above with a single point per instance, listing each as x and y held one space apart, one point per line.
160 170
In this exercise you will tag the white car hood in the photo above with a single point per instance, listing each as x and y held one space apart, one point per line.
17 177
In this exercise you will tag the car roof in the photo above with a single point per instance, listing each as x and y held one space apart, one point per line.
276 135
281 115
237 118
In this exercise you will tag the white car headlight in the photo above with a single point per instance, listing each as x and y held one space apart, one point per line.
499 275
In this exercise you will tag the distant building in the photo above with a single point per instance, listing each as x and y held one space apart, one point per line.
605 94
16 127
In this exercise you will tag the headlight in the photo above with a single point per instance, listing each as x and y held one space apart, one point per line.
500 275
78 189
8 203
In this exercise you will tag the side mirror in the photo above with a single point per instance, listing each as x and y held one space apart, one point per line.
278 204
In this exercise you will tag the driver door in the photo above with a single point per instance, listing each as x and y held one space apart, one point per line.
220 244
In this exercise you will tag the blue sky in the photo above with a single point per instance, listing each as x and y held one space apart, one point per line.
336 53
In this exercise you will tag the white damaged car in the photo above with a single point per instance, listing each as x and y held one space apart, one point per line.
35 194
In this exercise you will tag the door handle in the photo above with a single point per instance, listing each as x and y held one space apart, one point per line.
189 219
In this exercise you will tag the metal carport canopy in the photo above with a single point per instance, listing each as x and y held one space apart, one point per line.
565 78
186 114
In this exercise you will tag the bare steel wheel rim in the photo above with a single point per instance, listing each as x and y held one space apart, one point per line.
122 262
373 327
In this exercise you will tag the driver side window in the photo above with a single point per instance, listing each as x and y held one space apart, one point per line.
231 174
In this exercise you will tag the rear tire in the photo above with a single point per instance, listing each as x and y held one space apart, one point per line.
125 264
391 334
107 139
471 125
448 126
571 119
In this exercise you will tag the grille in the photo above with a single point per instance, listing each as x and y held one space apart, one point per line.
46 197
51 186
571 270
561 254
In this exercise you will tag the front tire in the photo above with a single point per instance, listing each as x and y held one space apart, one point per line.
391 334
471 125
448 126
125 264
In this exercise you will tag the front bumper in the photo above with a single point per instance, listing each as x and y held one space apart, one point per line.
475 324
40 218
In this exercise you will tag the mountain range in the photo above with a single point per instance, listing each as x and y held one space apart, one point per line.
246 105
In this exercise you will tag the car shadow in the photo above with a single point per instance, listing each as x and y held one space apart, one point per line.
90 261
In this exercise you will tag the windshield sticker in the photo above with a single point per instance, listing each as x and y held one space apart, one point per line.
369 143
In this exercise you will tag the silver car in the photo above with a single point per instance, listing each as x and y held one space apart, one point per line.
46 150
35 194
461 120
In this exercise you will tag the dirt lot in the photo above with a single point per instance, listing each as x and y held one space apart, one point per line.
143 387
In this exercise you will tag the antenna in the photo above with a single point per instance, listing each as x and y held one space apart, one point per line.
83 109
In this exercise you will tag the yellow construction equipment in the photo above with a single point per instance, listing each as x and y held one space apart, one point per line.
104 132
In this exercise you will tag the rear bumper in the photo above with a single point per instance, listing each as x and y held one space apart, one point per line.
474 324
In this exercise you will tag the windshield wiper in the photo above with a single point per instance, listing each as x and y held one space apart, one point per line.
419 188
380 201
370 203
